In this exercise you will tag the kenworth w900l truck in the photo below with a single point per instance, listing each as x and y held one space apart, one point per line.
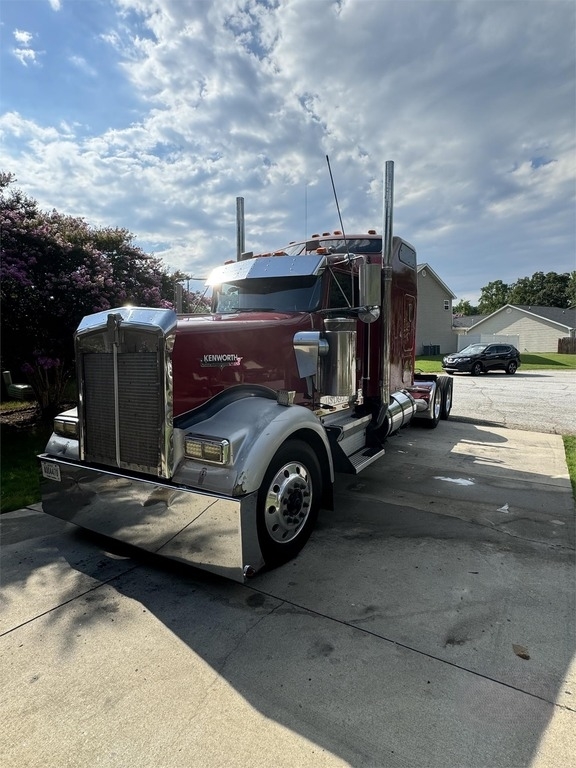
213 439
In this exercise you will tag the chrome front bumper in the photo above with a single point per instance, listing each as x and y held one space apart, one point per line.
214 533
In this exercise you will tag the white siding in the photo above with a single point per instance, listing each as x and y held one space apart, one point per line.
535 334
433 322
487 338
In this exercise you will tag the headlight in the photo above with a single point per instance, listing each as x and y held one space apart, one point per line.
66 427
211 449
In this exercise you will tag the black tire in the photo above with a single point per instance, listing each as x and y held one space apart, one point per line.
512 367
476 369
288 502
447 392
436 408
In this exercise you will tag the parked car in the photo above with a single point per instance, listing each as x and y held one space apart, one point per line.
481 358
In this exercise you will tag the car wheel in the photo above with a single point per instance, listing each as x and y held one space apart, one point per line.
476 369
288 502
447 392
511 368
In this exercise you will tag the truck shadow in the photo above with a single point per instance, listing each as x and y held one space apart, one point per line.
394 637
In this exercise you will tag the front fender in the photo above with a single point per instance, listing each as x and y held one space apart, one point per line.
255 427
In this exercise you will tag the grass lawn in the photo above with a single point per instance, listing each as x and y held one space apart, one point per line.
19 474
570 448
19 477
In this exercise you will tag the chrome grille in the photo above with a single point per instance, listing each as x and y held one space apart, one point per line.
125 388
139 410
100 440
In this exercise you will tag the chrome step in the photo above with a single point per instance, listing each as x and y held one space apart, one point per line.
348 431
362 459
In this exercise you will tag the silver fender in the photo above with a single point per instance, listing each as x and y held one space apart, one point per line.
256 428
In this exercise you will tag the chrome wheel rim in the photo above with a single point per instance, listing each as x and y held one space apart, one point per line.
437 402
288 502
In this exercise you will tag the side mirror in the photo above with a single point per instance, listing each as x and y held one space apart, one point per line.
370 290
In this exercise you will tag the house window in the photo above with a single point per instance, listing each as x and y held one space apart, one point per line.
447 304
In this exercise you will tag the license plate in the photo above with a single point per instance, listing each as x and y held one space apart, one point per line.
51 471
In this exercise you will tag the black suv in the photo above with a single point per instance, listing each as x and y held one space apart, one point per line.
481 358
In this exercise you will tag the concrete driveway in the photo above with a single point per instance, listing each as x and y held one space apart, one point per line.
430 621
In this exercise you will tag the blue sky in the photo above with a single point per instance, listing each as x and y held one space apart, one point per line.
154 115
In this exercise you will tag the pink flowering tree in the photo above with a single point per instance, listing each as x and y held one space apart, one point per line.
56 269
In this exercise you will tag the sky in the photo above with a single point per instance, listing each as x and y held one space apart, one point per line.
155 115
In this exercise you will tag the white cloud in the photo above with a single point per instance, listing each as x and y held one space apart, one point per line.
473 100
24 53
22 37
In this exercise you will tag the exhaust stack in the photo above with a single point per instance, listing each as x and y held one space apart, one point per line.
240 228
387 216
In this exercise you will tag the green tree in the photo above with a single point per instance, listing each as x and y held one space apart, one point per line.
542 290
465 308
55 270
571 292
493 297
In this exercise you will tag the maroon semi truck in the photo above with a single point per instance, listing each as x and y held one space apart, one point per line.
213 439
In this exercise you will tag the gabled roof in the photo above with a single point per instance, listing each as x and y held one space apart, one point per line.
427 268
563 317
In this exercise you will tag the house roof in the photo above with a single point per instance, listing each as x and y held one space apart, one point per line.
466 321
564 317
426 268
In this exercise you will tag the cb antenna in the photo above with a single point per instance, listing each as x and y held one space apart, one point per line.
337 206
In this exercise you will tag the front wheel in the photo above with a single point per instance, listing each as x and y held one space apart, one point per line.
476 369
511 368
288 502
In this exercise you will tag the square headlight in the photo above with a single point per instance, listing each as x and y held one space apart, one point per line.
210 449
66 427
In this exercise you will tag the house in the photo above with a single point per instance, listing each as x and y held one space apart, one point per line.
536 329
434 333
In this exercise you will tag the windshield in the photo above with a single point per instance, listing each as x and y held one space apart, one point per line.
278 294
473 349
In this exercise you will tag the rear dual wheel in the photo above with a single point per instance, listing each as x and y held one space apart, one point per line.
447 386
435 407
441 402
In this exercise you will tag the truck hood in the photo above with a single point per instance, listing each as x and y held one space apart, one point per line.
214 352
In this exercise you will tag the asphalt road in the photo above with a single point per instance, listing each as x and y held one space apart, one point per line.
429 622
540 401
